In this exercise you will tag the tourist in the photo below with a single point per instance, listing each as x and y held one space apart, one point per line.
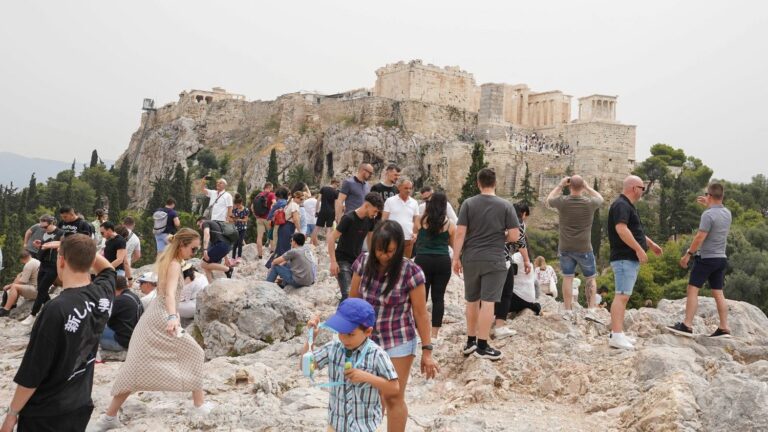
600 296
387 187
46 276
166 222
194 283
326 214
371 370
352 231
126 311
35 232
101 217
299 198
296 267
162 356
628 245
310 207
426 194
394 286
55 377
486 224
71 223
433 256
710 261
277 215
114 247
260 207
132 247
240 216
148 288
502 308
216 247
576 212
292 217
545 276
24 285
524 292
220 201
404 210
353 191
575 290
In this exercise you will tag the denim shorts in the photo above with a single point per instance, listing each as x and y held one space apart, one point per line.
625 275
410 348
310 228
585 260
217 251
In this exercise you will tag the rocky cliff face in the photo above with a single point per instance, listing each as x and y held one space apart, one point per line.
555 374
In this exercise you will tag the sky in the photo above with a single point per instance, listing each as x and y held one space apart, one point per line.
689 74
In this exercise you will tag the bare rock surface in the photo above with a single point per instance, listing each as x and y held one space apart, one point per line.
556 375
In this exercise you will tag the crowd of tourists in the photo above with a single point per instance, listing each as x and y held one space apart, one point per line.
391 256
535 142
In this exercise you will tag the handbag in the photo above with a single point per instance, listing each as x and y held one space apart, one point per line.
209 211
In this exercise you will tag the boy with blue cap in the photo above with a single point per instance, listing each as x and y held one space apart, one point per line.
359 370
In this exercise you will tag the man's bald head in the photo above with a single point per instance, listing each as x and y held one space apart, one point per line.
364 171
631 181
577 183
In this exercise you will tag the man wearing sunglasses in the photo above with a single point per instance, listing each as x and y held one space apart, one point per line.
628 245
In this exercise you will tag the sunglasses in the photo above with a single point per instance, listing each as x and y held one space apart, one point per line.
642 188
194 250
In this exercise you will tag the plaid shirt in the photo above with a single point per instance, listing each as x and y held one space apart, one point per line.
354 407
394 319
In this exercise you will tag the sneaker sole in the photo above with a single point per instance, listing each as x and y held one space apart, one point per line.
723 336
621 347
487 357
594 320
680 333
503 336
468 352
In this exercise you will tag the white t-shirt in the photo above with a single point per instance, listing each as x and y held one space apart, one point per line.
524 283
219 210
189 291
576 285
310 205
290 209
132 243
448 211
402 212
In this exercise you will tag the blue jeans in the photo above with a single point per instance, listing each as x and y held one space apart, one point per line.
625 275
108 342
585 260
162 241
284 271
344 278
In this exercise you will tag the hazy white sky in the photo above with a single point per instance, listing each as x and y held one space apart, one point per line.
690 74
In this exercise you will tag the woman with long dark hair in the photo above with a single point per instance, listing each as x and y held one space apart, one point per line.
394 286
433 256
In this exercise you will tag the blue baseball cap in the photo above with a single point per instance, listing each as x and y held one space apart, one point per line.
352 313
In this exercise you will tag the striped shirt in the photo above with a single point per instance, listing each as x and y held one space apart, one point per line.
513 247
394 318
354 407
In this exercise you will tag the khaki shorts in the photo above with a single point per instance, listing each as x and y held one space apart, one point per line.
262 226
29 292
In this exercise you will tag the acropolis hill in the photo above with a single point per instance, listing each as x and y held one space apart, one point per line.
422 117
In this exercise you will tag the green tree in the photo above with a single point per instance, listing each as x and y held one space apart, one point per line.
179 189
299 174
272 168
242 190
527 192
33 200
470 189
207 160
122 185
94 158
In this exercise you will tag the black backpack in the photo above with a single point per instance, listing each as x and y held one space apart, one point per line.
260 205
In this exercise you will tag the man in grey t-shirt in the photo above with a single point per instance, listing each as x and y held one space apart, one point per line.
577 212
353 191
486 223
296 267
710 262
35 232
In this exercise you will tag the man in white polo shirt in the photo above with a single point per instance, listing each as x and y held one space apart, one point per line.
220 202
404 210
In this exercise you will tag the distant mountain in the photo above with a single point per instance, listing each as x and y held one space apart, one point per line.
17 168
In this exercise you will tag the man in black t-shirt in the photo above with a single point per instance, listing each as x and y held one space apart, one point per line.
628 245
48 248
216 247
114 248
353 229
55 378
326 214
72 224
126 311
387 188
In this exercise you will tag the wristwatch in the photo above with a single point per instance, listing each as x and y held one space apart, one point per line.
427 347
689 252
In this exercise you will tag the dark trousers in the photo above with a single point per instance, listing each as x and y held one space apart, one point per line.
437 273
344 278
46 276
75 421
501 308
517 304
237 249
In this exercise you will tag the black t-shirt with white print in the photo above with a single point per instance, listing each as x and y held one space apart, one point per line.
48 257
62 348
78 226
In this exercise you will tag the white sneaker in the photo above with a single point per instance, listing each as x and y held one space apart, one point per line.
204 409
29 320
591 316
618 340
503 332
104 423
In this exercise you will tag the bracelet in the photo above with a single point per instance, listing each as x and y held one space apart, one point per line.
12 412
172 317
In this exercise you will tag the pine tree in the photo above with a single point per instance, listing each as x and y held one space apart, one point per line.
94 158
122 185
241 189
597 228
272 168
179 188
470 189
527 192
32 196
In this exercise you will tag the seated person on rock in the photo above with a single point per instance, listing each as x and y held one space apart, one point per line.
355 360
194 282
296 267
126 311
216 248
24 285
147 286
524 292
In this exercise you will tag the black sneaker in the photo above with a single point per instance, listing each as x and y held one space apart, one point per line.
720 333
537 309
488 353
229 272
4 313
681 329
469 348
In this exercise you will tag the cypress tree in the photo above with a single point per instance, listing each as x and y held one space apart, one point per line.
470 189
272 168
32 195
527 192
122 185
94 159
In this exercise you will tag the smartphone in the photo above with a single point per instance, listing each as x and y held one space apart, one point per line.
207 177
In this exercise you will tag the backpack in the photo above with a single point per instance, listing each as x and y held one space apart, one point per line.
278 218
160 218
260 205
228 231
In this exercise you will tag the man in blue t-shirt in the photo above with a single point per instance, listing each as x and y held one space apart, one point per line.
353 191
710 261
172 223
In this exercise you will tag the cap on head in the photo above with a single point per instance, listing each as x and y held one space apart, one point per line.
148 277
352 313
